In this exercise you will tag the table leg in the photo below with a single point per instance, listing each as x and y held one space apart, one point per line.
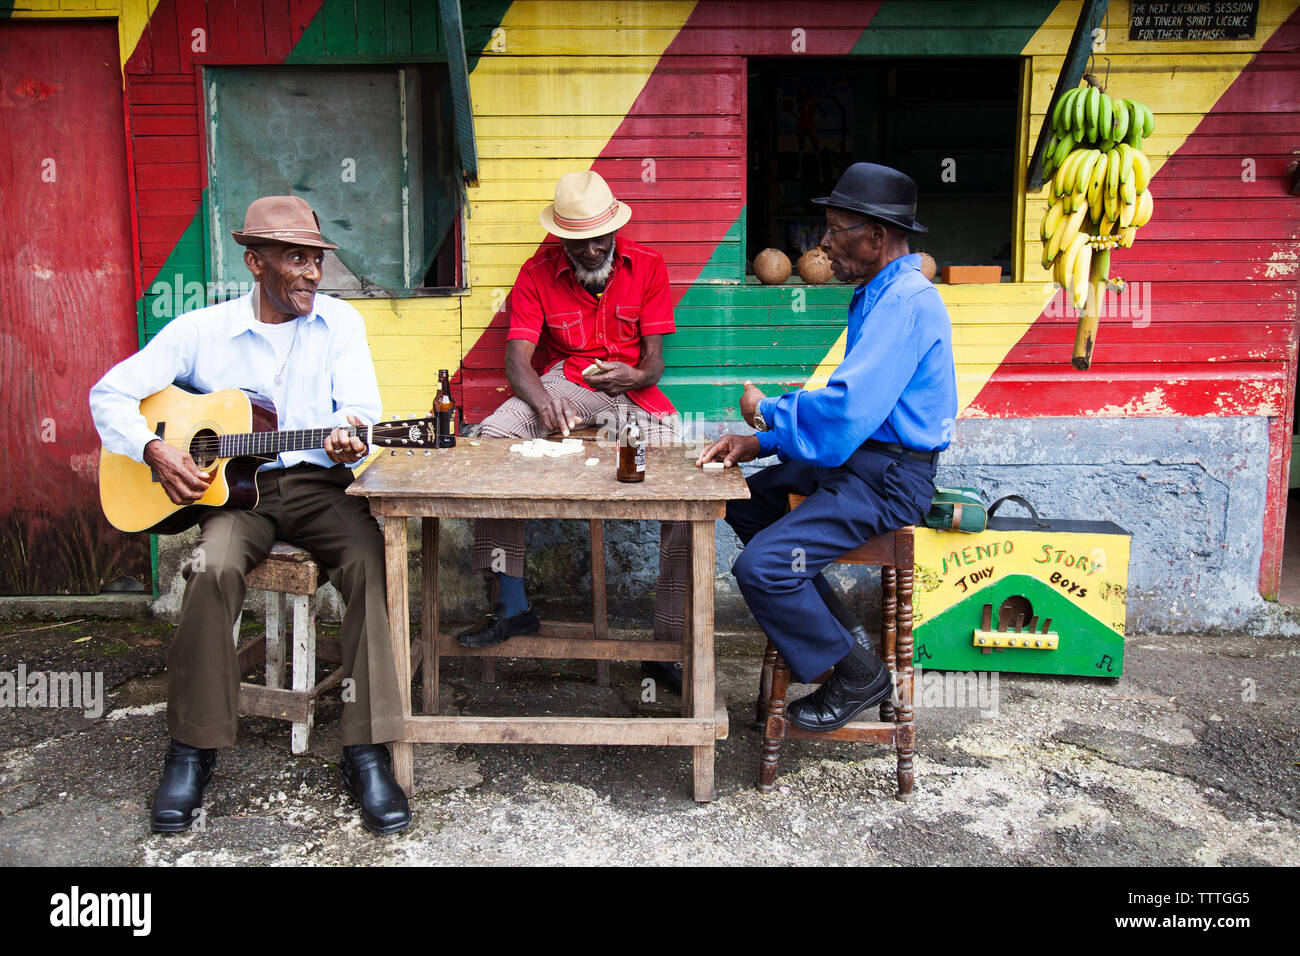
399 633
599 617
701 670
688 639
429 619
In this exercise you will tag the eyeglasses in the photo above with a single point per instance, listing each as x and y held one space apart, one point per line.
831 232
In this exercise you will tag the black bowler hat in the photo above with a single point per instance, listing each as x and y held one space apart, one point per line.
879 192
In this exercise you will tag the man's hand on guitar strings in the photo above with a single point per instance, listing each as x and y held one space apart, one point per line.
183 480
344 448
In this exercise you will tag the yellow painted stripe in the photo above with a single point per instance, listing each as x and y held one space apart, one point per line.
550 90
1179 83
132 17
578 28
980 347
410 339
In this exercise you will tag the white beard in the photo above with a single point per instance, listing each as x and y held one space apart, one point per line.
593 280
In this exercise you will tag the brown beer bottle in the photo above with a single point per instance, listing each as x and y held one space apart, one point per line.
631 453
444 412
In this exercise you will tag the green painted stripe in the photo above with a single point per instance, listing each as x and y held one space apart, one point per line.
953 27
311 45
480 18
372 30
397 26
728 332
167 296
340 27
393 28
426 28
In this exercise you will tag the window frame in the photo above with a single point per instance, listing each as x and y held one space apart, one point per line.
459 237
1015 170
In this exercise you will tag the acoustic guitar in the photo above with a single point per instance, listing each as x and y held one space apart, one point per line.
229 434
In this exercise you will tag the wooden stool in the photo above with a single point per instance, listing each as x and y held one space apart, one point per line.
289 576
893 553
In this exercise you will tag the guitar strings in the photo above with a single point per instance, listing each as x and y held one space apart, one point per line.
211 444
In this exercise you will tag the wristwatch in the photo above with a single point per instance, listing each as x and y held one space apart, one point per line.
760 423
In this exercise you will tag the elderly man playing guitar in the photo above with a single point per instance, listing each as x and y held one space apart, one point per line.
307 354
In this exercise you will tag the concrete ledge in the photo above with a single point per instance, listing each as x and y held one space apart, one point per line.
61 607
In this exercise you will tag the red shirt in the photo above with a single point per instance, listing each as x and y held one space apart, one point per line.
581 327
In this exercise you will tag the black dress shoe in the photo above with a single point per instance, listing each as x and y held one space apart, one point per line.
669 672
368 772
496 627
186 771
837 701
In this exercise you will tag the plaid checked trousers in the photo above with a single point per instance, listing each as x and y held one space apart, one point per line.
503 538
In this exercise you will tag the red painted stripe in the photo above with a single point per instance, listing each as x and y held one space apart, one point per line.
689 120
164 111
1196 192
1136 390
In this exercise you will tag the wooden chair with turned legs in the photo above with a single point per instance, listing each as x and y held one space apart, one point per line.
893 553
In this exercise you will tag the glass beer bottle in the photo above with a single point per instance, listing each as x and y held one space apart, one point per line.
631 453
444 412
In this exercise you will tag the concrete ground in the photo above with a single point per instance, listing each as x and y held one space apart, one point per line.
1193 757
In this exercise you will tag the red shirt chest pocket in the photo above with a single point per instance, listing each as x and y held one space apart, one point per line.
566 329
626 326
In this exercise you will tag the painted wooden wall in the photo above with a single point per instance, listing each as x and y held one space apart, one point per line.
559 85
66 303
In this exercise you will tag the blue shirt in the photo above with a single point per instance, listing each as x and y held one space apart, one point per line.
328 374
897 382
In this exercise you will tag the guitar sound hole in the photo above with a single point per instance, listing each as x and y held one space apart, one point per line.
203 447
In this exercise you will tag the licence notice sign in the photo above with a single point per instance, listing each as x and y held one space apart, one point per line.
1193 20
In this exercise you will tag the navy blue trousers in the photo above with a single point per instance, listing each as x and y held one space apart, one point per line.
780 569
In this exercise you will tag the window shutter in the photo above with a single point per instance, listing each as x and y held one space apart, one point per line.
454 34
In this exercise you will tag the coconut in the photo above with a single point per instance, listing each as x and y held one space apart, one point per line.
929 268
772 266
814 266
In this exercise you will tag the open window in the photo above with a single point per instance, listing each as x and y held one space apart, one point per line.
372 149
950 124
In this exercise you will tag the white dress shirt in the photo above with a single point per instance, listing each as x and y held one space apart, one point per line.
328 374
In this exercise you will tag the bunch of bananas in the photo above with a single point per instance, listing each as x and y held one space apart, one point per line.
1087 116
1101 199
1098 186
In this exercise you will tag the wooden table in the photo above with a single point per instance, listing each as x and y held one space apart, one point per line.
482 478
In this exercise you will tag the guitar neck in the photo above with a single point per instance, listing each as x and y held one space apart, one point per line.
271 444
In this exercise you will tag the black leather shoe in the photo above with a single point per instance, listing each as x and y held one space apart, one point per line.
496 627
186 771
368 772
667 672
837 702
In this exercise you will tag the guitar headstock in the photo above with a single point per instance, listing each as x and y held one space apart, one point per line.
404 433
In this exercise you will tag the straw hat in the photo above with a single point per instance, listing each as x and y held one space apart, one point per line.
584 208
286 219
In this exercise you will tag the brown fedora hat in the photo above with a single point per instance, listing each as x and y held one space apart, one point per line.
285 219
